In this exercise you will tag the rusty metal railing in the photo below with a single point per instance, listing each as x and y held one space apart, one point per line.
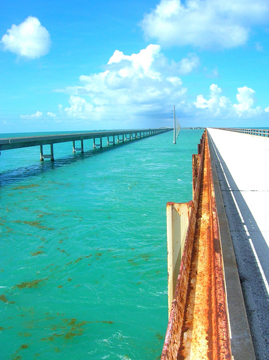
198 322
257 132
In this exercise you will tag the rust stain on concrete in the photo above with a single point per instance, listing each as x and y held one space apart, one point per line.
198 323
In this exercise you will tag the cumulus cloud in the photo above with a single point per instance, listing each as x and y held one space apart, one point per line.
216 103
220 106
205 23
79 108
245 98
187 65
138 85
37 115
28 39
51 114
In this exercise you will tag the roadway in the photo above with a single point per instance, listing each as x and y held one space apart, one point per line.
241 163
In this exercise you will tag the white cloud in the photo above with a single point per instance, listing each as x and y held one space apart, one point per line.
51 114
212 74
205 24
187 65
37 115
216 104
29 39
143 85
221 106
141 62
79 108
245 98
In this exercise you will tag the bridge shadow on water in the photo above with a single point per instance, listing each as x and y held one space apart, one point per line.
253 287
15 175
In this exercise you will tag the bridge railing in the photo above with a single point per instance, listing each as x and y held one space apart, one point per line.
198 323
257 132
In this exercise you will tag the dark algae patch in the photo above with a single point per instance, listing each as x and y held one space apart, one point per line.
70 328
25 187
35 223
37 253
26 334
29 284
16 356
5 300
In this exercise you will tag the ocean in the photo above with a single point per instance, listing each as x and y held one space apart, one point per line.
83 271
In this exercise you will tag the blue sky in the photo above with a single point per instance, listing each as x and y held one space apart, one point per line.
88 65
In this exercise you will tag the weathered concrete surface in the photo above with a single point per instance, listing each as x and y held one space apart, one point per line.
198 324
243 171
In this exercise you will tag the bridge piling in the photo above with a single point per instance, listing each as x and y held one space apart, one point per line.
75 149
111 142
97 145
48 156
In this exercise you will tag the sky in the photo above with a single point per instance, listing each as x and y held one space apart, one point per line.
95 65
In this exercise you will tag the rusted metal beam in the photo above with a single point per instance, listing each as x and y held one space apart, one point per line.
198 323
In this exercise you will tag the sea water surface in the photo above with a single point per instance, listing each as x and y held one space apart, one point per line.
83 271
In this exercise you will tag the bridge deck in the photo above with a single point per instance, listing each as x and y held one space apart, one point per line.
242 164
20 142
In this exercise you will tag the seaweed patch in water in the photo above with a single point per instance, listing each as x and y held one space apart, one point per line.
69 328
25 334
61 250
37 253
25 187
159 336
34 224
29 284
5 300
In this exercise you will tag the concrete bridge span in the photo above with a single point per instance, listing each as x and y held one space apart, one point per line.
112 136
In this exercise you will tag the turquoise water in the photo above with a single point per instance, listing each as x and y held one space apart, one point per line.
83 248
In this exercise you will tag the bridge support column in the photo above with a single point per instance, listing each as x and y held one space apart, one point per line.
81 149
97 145
122 138
111 142
49 156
